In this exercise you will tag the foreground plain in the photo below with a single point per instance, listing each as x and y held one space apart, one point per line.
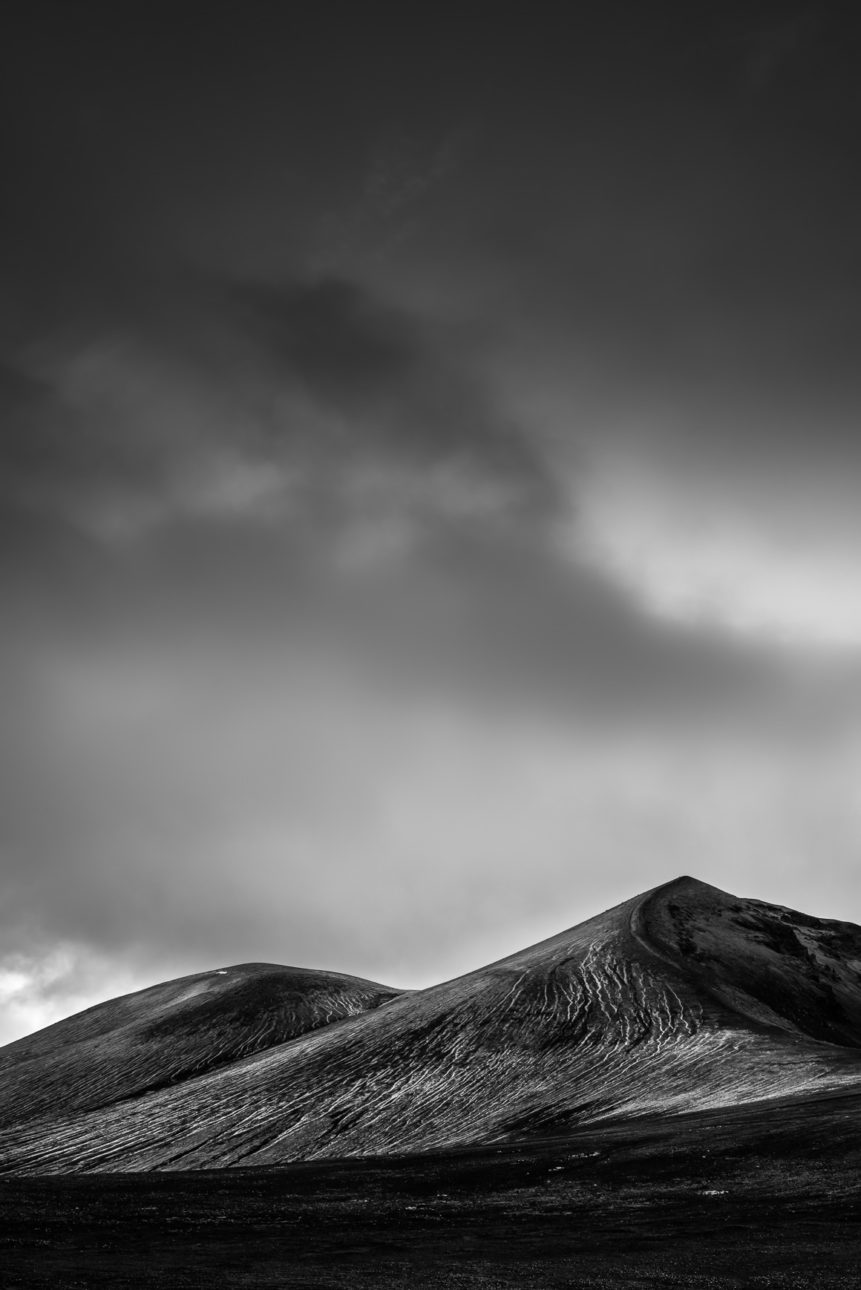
760 1195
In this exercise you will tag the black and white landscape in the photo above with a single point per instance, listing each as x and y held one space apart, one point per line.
429 515
667 1093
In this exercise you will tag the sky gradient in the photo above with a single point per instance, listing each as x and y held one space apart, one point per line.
429 475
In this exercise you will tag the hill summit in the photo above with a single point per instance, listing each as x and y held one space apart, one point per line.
682 998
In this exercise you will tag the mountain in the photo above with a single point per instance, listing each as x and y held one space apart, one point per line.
680 999
158 1037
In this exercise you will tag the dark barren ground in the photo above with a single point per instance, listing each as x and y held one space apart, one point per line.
758 1195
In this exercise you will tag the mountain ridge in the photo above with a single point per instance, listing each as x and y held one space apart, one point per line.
172 1031
683 997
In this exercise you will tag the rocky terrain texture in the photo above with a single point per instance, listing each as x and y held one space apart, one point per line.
763 1196
682 999
157 1037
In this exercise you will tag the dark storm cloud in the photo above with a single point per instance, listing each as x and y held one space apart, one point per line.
317 382
350 432
769 47
387 379
331 335
23 405
52 445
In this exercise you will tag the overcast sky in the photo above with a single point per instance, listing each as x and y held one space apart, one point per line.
430 463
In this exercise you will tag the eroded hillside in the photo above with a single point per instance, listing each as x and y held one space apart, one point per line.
679 999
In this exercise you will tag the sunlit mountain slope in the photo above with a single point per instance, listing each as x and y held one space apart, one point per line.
165 1034
681 998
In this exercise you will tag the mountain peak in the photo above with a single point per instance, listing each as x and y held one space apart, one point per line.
693 884
681 998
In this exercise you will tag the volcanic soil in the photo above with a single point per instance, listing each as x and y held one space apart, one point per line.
754 1196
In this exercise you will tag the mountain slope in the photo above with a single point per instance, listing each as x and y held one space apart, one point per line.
165 1034
679 999
775 965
